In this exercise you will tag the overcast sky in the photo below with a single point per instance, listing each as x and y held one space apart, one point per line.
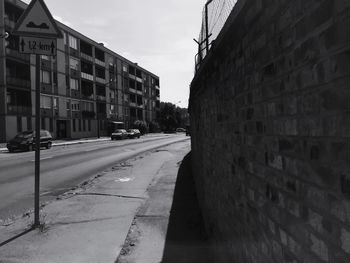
156 34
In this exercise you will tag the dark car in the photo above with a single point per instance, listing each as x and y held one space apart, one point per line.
119 134
26 141
134 133
180 130
188 130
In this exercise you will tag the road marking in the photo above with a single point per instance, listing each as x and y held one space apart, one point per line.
128 150
44 158
124 179
91 150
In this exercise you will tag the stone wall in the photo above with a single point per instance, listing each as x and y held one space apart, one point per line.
270 126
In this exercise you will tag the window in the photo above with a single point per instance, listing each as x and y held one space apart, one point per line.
87 106
79 125
55 78
64 37
68 105
112 94
45 102
29 123
72 42
19 123
75 105
51 124
45 57
45 77
74 63
55 103
84 125
74 84
8 98
74 127
112 108
43 123
125 69
89 125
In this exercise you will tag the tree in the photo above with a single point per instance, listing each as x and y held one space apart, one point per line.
141 126
172 117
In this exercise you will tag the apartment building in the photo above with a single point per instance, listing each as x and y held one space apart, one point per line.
86 89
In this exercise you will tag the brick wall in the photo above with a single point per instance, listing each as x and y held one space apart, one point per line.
270 126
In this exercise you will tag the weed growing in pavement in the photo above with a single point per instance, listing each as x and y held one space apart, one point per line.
43 227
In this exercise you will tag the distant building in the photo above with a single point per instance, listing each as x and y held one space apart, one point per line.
86 90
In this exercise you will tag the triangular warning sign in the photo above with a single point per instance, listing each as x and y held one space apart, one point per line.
37 21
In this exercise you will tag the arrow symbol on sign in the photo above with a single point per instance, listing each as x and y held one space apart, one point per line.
22 45
52 48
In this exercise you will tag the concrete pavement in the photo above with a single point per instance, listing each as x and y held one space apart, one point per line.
91 223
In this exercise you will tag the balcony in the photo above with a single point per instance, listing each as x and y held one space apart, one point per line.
75 93
76 115
101 98
74 73
46 64
18 82
101 115
139 79
88 114
132 90
157 87
86 57
87 76
45 88
88 97
15 54
101 80
114 115
9 23
132 104
46 112
74 52
100 62
19 110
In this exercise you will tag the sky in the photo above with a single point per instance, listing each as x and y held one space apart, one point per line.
156 34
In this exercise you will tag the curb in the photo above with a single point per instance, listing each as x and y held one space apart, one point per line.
70 143
67 143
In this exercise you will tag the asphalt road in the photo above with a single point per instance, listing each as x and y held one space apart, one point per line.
64 167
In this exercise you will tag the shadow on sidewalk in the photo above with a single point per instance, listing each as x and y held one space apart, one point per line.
15 237
185 239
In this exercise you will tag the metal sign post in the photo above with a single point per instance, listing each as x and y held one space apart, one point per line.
37 143
38 35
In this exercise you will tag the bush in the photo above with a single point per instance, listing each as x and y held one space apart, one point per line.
141 125
154 127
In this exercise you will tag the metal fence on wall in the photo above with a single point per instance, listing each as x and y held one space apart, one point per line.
215 14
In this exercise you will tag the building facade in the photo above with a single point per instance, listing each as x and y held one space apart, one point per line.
86 89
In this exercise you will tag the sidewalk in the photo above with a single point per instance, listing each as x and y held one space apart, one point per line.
168 227
91 223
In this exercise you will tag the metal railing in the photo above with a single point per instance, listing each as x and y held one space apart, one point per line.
215 14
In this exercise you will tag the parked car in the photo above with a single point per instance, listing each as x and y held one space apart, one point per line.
180 130
26 141
119 134
188 130
134 133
